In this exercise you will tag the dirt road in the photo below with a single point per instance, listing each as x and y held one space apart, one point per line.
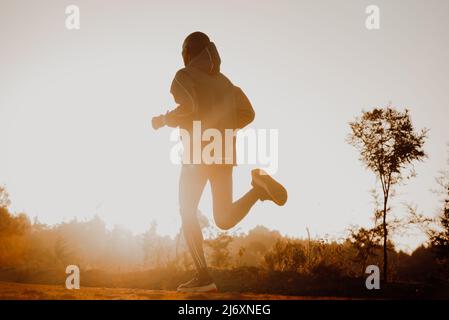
19 291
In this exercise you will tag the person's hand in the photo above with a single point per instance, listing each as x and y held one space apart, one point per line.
158 122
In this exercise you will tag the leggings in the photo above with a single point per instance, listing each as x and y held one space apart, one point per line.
226 212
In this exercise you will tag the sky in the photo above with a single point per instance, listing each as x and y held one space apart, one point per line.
76 105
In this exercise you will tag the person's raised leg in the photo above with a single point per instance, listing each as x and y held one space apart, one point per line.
228 213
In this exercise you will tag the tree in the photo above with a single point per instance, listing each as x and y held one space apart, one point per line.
365 242
439 237
13 231
220 250
240 254
388 146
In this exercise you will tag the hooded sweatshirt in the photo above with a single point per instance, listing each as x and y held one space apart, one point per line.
204 94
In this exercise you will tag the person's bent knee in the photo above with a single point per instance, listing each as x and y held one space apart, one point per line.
224 226
222 223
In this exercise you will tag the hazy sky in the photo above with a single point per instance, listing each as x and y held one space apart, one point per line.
75 106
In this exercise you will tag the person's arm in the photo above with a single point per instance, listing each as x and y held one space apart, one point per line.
245 111
183 92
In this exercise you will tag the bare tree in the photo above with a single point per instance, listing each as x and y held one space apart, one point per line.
388 146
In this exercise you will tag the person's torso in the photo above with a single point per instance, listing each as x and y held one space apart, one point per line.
215 112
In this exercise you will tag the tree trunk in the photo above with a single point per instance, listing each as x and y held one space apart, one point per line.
384 224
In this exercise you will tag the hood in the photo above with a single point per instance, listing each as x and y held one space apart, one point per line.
208 60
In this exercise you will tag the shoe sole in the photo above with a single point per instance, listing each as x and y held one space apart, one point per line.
274 189
207 288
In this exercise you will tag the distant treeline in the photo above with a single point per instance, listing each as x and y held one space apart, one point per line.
28 249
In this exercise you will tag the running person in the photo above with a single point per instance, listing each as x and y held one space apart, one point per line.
204 94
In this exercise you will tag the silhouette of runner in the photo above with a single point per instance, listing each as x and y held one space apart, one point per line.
204 94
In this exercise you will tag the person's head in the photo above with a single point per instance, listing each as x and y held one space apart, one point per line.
193 45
